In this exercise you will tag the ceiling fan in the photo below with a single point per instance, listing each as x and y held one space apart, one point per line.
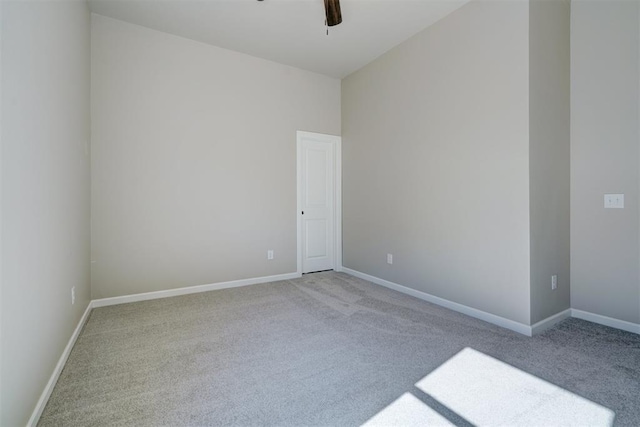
333 16
332 12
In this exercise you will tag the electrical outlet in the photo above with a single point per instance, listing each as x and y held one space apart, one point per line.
270 254
73 295
389 258
554 282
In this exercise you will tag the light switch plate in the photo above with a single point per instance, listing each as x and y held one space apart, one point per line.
614 201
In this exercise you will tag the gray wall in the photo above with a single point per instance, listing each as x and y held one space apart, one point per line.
549 84
436 161
45 193
604 158
194 159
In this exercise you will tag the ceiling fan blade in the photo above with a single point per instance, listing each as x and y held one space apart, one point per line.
332 9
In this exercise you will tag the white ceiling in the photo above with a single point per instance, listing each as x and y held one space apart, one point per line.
288 31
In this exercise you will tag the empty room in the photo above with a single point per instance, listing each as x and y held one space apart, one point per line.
320 213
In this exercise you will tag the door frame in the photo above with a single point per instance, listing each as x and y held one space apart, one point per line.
337 194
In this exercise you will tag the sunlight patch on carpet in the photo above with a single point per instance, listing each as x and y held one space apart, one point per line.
486 391
407 410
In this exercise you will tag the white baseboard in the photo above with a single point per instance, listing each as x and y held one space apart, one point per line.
550 321
497 320
44 397
606 321
469 311
103 302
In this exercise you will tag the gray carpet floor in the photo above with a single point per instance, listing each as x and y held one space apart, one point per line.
325 349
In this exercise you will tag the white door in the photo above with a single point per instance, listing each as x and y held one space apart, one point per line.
317 167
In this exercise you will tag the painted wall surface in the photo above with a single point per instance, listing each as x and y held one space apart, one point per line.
436 161
604 158
194 159
549 110
45 192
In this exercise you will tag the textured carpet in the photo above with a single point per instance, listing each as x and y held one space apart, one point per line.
331 349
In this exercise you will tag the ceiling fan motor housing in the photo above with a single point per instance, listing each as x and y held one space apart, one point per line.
332 9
